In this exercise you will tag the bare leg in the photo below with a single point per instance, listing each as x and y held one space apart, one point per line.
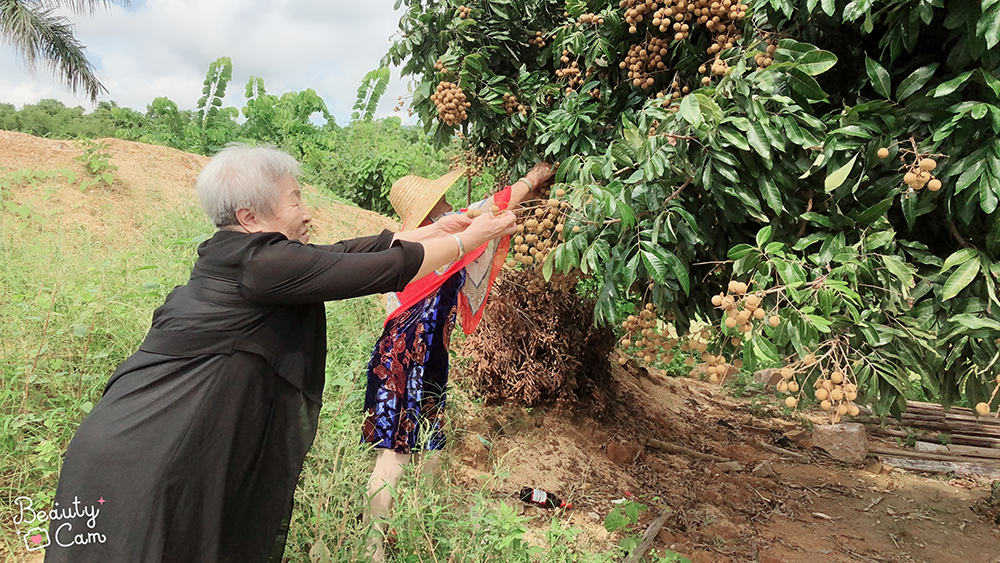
388 468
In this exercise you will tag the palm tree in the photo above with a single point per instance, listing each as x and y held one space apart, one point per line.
41 36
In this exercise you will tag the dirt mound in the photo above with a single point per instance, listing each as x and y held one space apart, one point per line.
150 181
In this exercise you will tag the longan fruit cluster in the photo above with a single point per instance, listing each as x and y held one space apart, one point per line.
571 72
642 331
591 18
836 395
451 103
680 27
984 407
511 105
741 307
642 60
919 173
720 18
439 66
538 40
541 231
765 58
464 11
635 11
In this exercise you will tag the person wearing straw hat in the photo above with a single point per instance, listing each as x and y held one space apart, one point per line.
408 370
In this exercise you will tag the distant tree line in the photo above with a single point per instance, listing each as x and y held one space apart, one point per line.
358 162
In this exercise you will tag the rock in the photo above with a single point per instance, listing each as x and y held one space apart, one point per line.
593 517
875 468
764 470
730 467
844 442
623 453
769 377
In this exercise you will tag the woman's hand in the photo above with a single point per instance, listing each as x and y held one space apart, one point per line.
539 175
487 227
453 224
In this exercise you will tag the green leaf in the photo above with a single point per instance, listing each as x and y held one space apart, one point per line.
690 111
959 257
950 86
817 62
763 236
900 269
988 26
758 139
805 85
835 180
873 213
915 81
958 281
879 76
973 322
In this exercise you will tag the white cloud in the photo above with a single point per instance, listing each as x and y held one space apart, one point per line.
164 48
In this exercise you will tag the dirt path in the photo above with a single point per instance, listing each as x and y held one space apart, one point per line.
813 509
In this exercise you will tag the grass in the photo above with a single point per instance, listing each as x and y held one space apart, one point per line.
76 299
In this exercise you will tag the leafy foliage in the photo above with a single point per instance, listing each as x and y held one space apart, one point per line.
373 86
769 172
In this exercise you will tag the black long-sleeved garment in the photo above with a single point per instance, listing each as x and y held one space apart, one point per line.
193 453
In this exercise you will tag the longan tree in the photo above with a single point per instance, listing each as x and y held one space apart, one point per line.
832 164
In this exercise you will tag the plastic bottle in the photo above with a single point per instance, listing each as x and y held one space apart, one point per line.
541 498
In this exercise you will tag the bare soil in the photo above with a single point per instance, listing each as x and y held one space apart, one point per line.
814 509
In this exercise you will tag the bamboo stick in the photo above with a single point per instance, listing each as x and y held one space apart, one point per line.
648 537
671 448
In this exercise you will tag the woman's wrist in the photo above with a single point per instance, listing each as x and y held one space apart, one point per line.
528 183
461 245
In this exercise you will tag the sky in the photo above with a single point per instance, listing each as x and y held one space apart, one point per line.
164 47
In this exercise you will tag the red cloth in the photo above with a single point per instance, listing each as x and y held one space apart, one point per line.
420 289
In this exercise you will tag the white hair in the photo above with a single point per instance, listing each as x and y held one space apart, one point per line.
240 176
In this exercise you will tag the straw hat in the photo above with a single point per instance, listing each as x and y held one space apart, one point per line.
413 197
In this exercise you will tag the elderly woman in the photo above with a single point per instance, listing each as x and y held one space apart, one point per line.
408 370
194 451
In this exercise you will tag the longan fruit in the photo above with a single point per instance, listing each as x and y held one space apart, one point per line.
837 377
883 153
825 405
622 360
793 386
822 394
853 410
909 178
759 314
790 402
731 322
576 229
983 408
928 164
809 359
774 321
934 185
837 394
782 387
689 361
717 300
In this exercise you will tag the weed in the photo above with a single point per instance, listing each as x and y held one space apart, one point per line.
96 161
